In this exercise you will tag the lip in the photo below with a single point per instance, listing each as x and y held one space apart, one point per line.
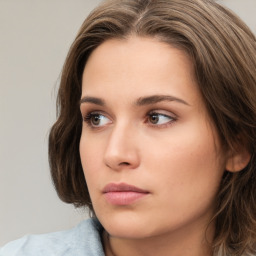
123 194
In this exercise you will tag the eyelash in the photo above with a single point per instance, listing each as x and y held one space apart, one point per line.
88 119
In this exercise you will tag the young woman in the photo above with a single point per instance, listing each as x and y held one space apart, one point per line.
156 133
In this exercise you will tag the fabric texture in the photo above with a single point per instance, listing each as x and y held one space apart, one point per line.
83 240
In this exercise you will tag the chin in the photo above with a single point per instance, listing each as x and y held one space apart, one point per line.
127 226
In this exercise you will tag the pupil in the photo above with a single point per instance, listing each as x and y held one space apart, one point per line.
154 119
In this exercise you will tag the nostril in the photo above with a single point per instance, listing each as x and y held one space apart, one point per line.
124 163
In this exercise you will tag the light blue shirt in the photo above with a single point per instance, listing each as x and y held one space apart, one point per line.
83 240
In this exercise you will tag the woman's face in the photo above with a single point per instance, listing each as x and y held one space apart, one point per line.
150 154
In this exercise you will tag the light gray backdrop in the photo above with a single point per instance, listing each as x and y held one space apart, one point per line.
34 39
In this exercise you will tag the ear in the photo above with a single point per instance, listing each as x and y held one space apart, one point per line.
238 159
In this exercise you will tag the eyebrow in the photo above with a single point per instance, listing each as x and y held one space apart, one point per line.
93 100
158 98
142 101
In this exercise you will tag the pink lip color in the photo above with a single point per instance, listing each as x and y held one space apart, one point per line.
123 194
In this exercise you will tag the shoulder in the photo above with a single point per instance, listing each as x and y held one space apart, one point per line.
83 240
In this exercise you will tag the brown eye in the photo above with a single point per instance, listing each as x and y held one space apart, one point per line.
154 118
95 119
160 119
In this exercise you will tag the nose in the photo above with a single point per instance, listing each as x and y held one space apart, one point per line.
122 149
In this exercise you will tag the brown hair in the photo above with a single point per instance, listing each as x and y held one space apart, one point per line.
223 51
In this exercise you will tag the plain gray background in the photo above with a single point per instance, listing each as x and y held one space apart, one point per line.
35 36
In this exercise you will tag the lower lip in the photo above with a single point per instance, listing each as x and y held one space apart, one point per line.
124 198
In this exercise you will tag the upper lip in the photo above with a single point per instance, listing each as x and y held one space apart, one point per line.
122 187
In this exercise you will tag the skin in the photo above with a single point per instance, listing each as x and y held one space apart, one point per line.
175 155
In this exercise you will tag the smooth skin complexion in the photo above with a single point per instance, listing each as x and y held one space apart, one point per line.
146 125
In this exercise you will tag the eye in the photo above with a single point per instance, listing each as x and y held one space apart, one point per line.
95 120
159 118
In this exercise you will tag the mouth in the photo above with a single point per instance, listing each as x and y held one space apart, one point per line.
123 194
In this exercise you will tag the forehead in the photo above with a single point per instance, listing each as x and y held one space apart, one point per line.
137 66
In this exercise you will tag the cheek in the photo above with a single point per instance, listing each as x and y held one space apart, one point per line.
190 166
90 154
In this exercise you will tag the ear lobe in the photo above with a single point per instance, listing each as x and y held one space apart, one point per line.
238 160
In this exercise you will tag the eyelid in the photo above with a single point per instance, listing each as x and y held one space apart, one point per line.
87 108
164 113
87 111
